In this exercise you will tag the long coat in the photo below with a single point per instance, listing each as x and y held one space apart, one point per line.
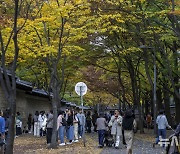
116 124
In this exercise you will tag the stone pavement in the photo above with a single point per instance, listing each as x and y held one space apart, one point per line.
139 147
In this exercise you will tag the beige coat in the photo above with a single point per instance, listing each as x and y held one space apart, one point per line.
116 124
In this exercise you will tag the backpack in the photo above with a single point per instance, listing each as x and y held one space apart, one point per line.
64 123
127 123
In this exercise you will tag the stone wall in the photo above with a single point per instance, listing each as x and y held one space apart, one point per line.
26 104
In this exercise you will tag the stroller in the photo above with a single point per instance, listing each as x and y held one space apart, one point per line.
174 144
108 138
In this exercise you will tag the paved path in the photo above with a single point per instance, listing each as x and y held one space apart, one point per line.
139 147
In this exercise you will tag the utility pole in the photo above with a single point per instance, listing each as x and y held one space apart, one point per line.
82 104
81 89
154 91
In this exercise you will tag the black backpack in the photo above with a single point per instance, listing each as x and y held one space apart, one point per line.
64 123
127 123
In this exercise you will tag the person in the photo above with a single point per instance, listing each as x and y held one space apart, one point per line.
18 127
123 138
88 122
2 132
148 121
172 140
18 124
162 123
36 124
116 128
29 123
101 128
177 131
7 121
75 124
70 128
61 124
42 123
107 116
82 120
49 127
129 124
94 118
18 116
2 126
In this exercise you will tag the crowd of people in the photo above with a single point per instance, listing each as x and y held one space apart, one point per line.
116 129
70 123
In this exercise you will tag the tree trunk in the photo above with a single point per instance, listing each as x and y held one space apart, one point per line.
167 105
119 99
141 127
177 104
54 132
11 132
12 89
55 101
147 109
159 100
135 89
123 89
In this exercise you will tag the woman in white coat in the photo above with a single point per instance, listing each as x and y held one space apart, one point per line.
116 128
42 122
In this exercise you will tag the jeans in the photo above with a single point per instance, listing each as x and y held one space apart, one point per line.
76 131
80 130
162 133
42 132
101 134
49 135
61 133
70 133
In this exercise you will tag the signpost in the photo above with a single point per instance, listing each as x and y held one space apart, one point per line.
81 90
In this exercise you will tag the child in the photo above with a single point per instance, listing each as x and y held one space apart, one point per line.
18 127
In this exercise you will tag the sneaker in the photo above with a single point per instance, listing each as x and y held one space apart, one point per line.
80 137
62 144
100 146
76 141
69 142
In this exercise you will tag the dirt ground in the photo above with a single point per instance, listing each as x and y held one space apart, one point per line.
28 144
